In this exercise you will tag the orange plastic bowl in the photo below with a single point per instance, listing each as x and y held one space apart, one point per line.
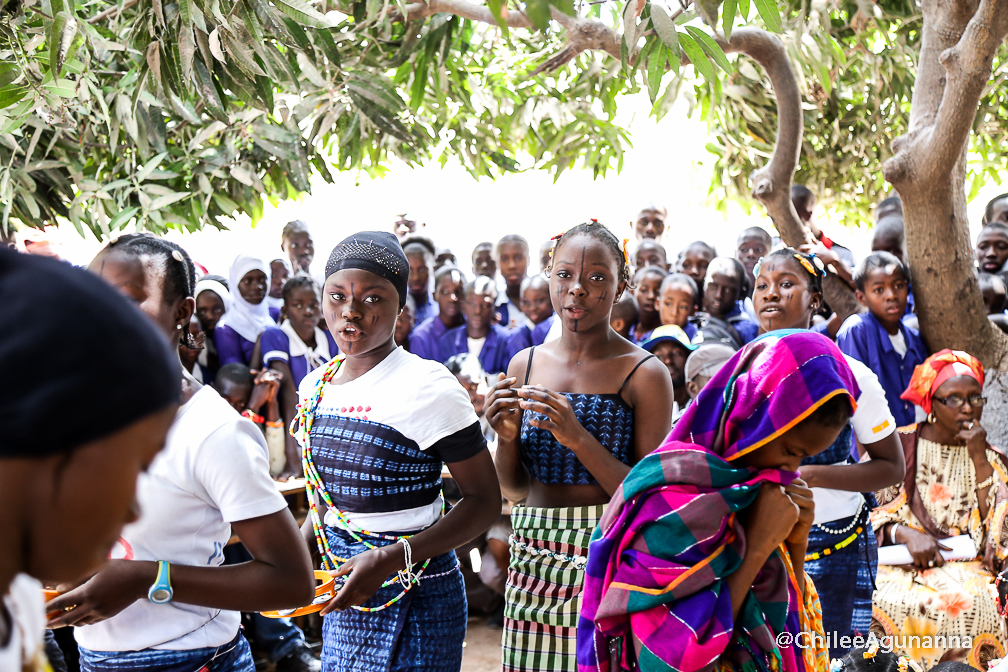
324 589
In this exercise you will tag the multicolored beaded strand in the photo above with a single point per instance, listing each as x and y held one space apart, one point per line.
300 429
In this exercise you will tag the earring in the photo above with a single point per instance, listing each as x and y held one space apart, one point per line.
178 326
931 418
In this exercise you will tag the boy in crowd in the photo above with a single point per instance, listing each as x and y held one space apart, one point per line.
538 311
996 210
722 290
420 254
694 259
512 259
483 261
647 291
891 205
445 257
650 223
650 253
992 247
405 322
280 272
879 338
298 246
753 244
624 315
669 344
425 341
703 364
678 301
479 336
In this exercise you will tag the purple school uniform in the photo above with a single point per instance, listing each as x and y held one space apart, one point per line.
276 348
494 357
528 335
232 347
425 341
424 311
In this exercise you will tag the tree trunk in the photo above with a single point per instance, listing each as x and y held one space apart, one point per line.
928 169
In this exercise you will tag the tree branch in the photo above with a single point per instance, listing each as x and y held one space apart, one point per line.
772 182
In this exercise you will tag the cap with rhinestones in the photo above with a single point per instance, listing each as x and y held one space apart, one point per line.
377 252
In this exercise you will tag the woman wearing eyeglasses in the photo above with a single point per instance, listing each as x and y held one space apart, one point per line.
954 485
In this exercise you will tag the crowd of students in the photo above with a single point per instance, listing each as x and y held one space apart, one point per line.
643 416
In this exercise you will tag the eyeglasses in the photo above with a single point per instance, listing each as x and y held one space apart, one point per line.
953 401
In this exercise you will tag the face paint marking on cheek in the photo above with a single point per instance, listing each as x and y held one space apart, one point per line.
603 296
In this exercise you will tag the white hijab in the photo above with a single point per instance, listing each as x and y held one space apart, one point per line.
248 319
217 288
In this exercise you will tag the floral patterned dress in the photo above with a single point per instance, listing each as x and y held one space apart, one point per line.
959 598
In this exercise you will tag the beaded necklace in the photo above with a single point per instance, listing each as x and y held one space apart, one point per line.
300 429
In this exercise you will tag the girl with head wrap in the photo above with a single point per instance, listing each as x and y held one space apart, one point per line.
212 301
698 560
954 485
249 314
165 603
376 425
60 438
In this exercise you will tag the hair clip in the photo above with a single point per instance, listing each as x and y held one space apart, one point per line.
755 270
593 221
870 653
836 665
555 239
806 264
177 256
903 663
626 254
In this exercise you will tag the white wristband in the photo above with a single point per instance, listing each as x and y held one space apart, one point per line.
892 533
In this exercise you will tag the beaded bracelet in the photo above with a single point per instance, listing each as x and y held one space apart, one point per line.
986 483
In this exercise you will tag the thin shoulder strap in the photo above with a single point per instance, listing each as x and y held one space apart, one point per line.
632 371
528 369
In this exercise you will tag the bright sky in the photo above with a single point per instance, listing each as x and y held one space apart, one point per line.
667 165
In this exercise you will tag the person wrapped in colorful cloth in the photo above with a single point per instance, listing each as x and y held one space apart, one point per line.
698 560
954 485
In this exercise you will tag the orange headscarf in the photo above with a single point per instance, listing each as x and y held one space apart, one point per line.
938 368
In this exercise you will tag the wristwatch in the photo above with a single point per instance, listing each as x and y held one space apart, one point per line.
161 592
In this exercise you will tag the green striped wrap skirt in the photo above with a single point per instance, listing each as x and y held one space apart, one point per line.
549 549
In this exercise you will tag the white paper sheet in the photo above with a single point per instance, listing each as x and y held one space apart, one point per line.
962 547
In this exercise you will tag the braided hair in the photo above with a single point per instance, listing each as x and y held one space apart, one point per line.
593 229
179 270
811 266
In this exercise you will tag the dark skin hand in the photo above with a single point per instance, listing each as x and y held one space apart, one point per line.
279 577
361 309
587 358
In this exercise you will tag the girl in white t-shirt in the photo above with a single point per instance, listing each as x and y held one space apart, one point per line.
165 603
68 463
377 425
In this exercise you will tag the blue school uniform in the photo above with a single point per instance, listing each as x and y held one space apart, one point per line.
863 338
232 346
276 347
425 310
746 328
494 357
425 341
528 335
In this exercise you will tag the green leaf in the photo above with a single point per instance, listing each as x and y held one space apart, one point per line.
61 38
208 92
710 47
242 55
121 218
665 28
12 94
303 13
565 6
655 70
251 22
380 118
744 8
163 201
270 20
8 73
729 10
770 14
187 50
150 166
329 46
186 12
538 12
696 56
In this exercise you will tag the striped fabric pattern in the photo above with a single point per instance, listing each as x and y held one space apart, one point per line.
655 581
543 593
